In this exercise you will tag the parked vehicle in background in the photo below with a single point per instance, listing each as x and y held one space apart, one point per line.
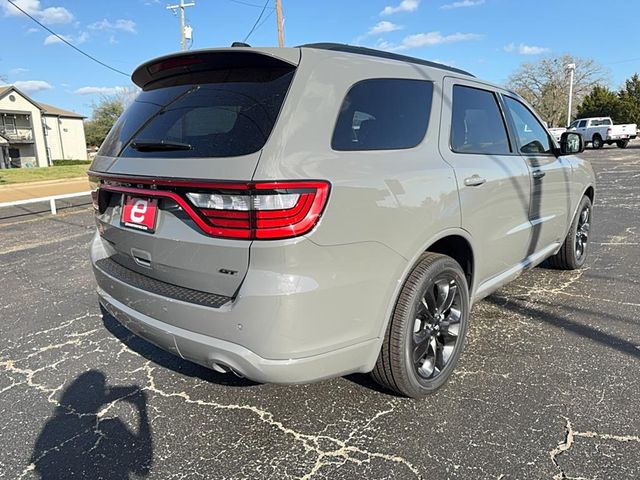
301 213
599 131
557 132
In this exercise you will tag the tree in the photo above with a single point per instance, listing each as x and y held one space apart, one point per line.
622 106
545 84
105 114
630 100
602 102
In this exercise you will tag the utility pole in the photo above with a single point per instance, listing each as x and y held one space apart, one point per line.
571 67
280 29
174 8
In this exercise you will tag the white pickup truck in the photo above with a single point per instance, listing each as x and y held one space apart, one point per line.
600 130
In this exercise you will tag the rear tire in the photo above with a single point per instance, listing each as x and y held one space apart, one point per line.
573 253
596 142
426 333
622 143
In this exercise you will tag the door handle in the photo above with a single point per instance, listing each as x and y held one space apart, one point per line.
538 174
474 181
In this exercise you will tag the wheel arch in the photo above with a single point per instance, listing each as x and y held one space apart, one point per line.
443 243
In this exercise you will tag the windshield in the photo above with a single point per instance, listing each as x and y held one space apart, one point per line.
220 114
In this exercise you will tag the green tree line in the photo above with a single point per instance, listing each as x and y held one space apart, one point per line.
623 106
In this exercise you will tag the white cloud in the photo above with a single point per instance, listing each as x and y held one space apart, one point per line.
33 30
403 6
119 24
83 37
523 49
49 15
430 39
32 86
54 15
384 27
462 4
99 90
18 71
52 39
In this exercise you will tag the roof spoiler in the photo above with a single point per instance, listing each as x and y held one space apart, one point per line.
213 59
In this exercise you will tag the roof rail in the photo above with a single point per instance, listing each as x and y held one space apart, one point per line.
341 47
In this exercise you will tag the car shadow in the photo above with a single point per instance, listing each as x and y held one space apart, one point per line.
85 439
559 321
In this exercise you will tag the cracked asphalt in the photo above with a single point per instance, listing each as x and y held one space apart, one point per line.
548 386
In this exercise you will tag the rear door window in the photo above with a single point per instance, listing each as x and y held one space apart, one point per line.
477 123
383 114
223 114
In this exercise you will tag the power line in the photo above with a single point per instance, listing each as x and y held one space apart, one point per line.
62 39
249 4
257 20
265 19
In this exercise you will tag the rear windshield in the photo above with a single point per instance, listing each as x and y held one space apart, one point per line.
215 114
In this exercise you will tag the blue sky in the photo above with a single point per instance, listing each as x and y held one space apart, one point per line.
490 38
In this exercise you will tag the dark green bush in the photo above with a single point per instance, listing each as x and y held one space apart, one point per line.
60 163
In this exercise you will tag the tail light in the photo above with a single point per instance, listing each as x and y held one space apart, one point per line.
254 210
609 130
94 185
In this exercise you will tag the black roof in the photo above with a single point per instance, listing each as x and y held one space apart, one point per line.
340 47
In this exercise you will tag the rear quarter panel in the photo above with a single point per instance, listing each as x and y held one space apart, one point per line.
400 198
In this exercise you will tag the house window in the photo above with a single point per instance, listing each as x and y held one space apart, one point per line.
10 124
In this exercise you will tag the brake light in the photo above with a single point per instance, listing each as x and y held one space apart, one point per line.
609 130
175 63
94 185
254 210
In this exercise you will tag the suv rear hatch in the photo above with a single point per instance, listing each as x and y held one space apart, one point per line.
172 180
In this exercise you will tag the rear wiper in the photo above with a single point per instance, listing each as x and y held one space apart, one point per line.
158 145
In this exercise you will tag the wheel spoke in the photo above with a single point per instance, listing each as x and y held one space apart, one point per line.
420 350
429 301
417 325
447 351
446 294
584 216
450 328
427 310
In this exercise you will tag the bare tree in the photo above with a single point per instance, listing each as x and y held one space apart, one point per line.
545 84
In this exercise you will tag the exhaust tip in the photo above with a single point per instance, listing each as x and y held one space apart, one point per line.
220 368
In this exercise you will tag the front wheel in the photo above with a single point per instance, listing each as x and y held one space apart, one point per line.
573 252
596 142
426 333
622 143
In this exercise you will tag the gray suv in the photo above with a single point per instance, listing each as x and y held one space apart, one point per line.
302 213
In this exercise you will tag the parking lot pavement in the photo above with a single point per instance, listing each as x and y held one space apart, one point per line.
548 386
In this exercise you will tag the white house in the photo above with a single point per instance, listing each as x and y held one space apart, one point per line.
34 133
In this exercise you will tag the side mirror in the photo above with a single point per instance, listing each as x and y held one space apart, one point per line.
571 143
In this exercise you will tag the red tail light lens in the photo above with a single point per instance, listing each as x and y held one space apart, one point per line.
255 210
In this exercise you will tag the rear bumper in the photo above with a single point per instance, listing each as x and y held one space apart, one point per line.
208 351
303 312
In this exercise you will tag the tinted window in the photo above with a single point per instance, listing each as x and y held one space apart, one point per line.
532 135
583 123
600 123
383 114
477 124
221 114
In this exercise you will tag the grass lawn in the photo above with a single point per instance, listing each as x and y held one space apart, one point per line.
23 175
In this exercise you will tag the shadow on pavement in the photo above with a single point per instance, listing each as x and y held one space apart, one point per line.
555 320
85 440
